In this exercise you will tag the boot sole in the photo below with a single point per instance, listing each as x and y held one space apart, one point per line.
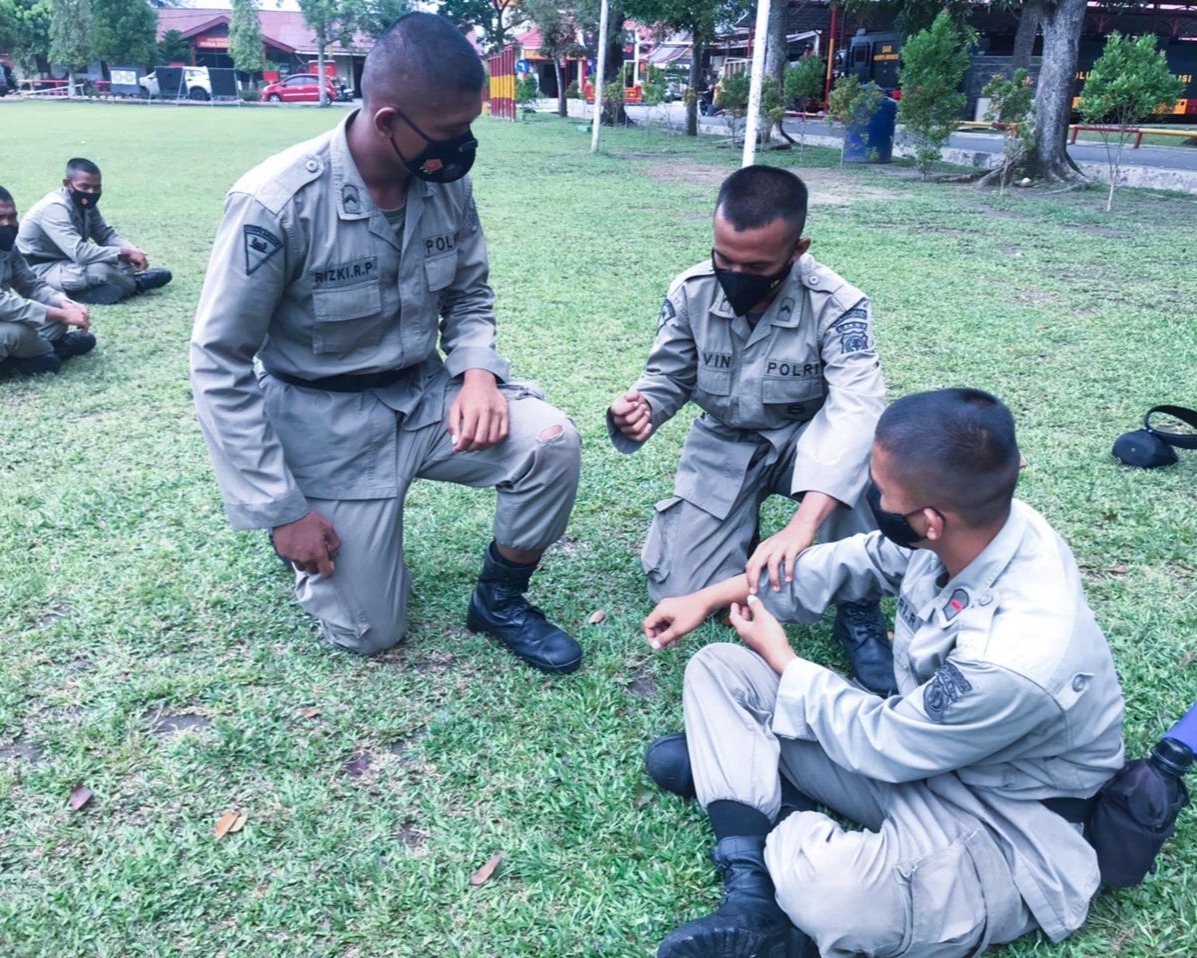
738 943
478 627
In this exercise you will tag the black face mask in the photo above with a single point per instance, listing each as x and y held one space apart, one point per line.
441 161
85 201
893 525
746 290
8 236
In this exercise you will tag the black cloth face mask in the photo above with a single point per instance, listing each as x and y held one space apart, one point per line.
441 161
85 201
8 236
746 290
894 525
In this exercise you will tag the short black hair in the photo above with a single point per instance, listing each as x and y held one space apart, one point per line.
418 53
956 448
77 164
6 197
755 196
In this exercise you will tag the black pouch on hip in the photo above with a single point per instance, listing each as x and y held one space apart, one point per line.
1151 446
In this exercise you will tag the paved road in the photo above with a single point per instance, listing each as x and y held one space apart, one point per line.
1159 157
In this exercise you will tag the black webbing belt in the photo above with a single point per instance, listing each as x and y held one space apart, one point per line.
347 382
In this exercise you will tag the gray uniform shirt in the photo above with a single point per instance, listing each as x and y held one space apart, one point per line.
24 297
807 374
1008 693
57 229
307 274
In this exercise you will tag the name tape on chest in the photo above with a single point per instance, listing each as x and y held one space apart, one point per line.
260 245
440 244
346 274
714 360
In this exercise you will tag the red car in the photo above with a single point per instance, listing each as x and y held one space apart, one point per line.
299 88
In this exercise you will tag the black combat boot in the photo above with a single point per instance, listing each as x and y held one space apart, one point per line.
30 365
103 295
667 761
152 279
498 608
748 922
860 629
74 344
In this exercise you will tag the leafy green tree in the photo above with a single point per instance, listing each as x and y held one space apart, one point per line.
1012 108
933 65
1130 80
377 15
25 30
245 38
332 21
804 82
72 33
126 31
558 28
173 47
851 103
497 19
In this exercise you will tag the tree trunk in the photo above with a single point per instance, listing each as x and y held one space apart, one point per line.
777 56
614 65
320 70
1024 39
1053 95
697 52
562 106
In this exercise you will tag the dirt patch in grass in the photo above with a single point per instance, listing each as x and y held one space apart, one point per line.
643 686
167 724
22 749
827 187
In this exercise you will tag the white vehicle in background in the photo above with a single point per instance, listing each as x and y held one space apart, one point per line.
199 84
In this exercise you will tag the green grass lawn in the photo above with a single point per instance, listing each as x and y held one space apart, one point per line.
155 656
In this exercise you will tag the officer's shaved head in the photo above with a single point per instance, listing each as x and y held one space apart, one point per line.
953 448
6 197
77 166
420 53
755 196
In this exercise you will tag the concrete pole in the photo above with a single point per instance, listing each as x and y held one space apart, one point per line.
599 70
758 78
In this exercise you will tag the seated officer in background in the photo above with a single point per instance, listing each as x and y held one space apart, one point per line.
34 319
69 245
971 783
342 264
778 351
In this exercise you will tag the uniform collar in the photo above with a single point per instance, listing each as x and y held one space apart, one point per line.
974 584
785 310
353 199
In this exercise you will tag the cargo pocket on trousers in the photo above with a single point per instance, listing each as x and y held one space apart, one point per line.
657 554
947 904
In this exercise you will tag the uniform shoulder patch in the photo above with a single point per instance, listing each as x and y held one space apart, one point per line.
853 330
946 687
668 311
260 245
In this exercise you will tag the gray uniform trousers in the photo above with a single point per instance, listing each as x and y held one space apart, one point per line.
68 276
923 880
688 548
362 607
22 341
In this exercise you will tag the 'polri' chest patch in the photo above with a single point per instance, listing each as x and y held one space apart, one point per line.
947 686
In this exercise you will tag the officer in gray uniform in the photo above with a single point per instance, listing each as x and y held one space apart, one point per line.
72 248
34 319
778 351
972 783
334 264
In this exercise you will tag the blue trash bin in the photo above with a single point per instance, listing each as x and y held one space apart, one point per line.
873 140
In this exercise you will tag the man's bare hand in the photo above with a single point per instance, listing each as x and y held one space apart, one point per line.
762 633
672 619
309 544
478 416
633 416
70 314
135 258
778 554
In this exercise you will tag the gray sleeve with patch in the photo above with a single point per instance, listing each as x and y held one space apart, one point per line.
247 276
965 713
671 371
833 451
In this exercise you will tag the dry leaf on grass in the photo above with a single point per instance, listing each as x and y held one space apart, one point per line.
80 796
1022 463
311 711
482 875
597 617
230 823
1118 570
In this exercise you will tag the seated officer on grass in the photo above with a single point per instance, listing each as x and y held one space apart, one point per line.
70 246
971 783
778 351
34 319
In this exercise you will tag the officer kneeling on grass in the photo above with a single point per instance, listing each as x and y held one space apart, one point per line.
34 319
970 782
334 265
72 248
778 351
